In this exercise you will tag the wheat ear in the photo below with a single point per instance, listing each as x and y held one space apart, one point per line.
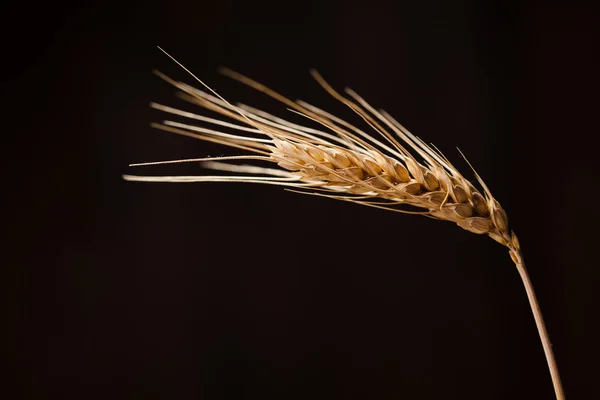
397 172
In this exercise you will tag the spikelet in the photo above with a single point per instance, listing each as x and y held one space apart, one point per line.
394 171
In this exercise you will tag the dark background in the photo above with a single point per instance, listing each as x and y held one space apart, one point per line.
173 291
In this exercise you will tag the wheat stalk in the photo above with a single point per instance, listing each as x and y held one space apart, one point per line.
397 172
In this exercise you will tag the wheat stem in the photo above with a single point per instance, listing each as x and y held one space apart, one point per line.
348 165
541 326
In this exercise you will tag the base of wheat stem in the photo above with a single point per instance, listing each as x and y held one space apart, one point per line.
539 322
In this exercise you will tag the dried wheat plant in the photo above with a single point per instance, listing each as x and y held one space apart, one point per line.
396 171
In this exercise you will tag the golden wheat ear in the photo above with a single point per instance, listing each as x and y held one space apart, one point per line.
391 169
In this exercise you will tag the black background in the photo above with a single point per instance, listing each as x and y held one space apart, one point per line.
173 291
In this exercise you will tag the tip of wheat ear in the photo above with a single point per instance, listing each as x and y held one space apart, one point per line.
327 156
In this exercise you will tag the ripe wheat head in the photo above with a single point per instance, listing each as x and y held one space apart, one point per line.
394 171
